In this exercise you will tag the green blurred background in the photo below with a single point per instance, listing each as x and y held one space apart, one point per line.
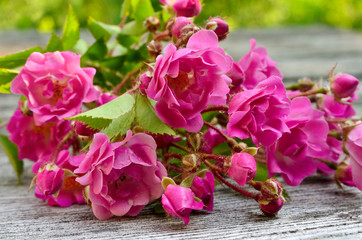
46 15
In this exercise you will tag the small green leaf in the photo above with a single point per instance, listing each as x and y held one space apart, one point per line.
120 125
97 51
167 181
97 30
71 30
6 76
147 118
261 173
11 151
127 40
54 44
102 116
134 28
17 59
142 9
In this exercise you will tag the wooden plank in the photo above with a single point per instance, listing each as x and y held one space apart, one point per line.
318 208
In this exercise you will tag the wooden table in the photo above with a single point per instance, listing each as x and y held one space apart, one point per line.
318 209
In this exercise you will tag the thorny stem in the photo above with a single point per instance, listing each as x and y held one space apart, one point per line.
169 155
260 159
125 79
216 108
310 92
53 157
161 36
254 196
185 149
212 166
174 168
232 143
218 158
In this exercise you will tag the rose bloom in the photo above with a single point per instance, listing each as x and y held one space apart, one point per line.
184 8
354 148
259 113
254 67
203 188
32 140
55 85
123 177
186 80
294 154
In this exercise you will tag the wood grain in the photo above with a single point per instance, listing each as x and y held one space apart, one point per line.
318 209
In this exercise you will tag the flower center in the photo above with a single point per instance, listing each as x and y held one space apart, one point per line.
70 182
182 82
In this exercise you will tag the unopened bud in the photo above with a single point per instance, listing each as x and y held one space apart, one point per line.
187 32
151 23
272 189
179 24
154 48
24 108
305 84
219 26
270 207
344 85
83 129
190 162
344 175
195 141
251 150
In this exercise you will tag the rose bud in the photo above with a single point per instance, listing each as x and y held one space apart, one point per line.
270 208
344 175
243 168
344 85
151 23
189 162
179 24
50 179
271 189
219 26
203 188
154 48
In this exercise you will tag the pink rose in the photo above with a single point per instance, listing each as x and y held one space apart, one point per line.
50 179
123 177
293 155
32 140
179 24
184 8
203 188
256 66
219 26
55 85
259 113
344 85
243 168
179 202
334 109
354 148
186 80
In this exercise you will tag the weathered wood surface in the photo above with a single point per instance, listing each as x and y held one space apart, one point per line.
318 208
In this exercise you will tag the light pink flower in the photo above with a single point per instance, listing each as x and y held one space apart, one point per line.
55 85
256 66
186 80
203 188
179 202
65 191
123 177
260 113
184 8
344 85
354 148
243 168
32 140
293 155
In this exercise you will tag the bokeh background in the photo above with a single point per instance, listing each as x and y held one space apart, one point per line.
45 15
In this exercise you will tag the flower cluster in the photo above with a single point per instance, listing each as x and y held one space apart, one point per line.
178 120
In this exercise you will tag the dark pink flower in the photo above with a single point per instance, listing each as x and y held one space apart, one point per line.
256 66
186 80
243 168
334 109
55 85
179 202
123 177
212 139
344 85
271 207
293 155
203 188
219 26
50 179
66 190
259 113
32 140
354 148
179 24
184 8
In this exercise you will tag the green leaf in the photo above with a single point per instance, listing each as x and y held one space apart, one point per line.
142 9
70 30
97 30
261 173
127 40
11 151
97 51
120 125
54 44
147 118
17 59
6 76
102 116
126 8
134 28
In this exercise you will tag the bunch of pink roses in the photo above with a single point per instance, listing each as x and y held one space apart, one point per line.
161 146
